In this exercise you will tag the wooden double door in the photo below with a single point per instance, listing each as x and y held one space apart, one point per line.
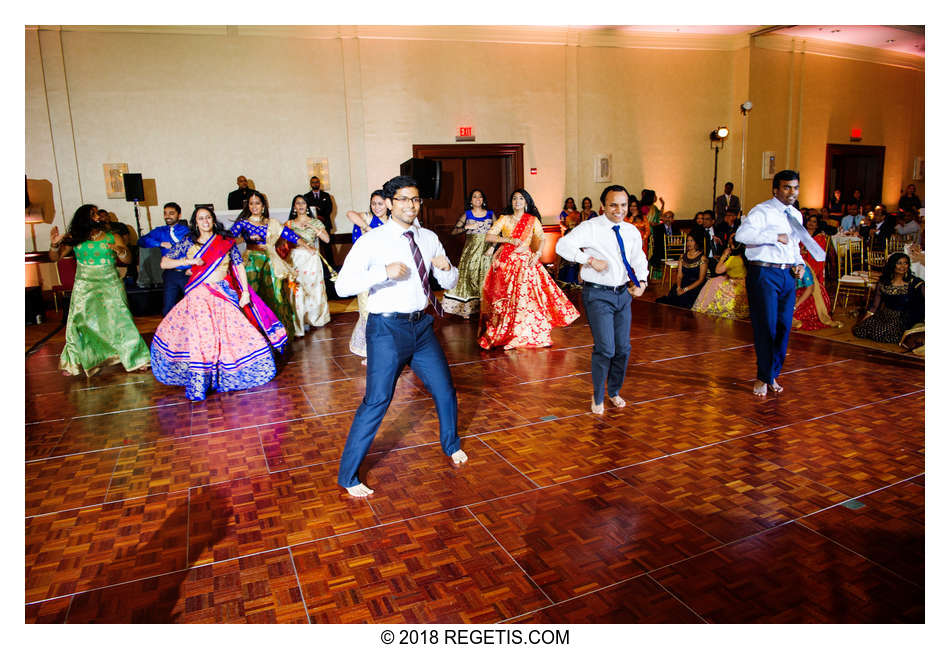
495 169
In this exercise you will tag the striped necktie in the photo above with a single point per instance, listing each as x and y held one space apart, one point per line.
423 273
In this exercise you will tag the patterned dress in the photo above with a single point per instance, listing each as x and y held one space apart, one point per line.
473 265
690 270
896 309
99 328
207 341
311 307
267 273
521 304
725 295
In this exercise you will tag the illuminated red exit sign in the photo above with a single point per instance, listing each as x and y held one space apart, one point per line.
465 134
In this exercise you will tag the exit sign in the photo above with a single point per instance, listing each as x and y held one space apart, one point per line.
465 134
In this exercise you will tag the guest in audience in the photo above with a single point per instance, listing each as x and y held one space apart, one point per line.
727 201
364 222
851 221
521 304
238 198
174 239
857 198
878 229
648 208
311 307
727 227
658 249
725 294
587 209
906 222
897 305
267 272
692 273
812 227
614 272
569 217
322 204
99 327
634 206
698 219
464 299
214 339
836 204
827 223
640 223
812 304
909 199
714 244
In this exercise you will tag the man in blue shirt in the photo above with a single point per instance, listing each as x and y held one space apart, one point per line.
174 238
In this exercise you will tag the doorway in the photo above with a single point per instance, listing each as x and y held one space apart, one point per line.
496 169
854 166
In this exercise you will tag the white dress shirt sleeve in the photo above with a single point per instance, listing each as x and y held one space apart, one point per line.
571 244
755 229
359 273
447 279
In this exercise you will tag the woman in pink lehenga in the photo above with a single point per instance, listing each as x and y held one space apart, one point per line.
521 304
213 338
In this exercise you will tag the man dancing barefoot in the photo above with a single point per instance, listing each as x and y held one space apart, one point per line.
393 263
611 257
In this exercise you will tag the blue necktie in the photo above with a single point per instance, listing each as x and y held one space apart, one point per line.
623 255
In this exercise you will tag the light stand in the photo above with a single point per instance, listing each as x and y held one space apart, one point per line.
138 224
717 139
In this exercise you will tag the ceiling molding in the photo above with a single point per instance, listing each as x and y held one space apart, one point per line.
785 43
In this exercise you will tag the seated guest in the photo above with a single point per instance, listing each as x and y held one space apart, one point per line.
569 213
698 219
727 227
657 236
174 239
725 295
836 204
877 232
898 303
812 304
827 223
692 265
909 199
851 221
714 244
906 222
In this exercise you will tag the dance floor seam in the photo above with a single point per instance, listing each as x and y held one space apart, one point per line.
673 509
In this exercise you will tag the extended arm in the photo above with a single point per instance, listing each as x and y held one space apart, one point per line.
359 273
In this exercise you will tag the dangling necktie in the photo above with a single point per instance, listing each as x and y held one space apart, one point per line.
816 252
623 255
423 273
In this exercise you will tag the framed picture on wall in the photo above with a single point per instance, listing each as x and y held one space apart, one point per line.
321 169
768 165
112 171
918 168
602 167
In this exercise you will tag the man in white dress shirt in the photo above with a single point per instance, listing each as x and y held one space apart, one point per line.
614 270
771 233
393 263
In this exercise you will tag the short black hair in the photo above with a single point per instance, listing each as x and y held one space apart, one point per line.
613 188
728 186
391 186
312 177
731 211
785 174
174 206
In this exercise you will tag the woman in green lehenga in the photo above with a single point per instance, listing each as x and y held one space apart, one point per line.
463 300
99 328
268 273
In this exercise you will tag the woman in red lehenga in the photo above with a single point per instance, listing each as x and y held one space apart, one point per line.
812 303
521 304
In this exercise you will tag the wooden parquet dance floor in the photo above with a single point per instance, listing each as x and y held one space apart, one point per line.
696 503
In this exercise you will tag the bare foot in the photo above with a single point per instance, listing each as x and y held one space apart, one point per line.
596 408
459 457
359 491
617 401
776 387
760 389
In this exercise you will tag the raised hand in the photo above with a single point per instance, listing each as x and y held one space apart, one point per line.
54 235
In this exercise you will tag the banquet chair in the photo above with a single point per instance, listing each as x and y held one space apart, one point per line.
674 247
851 281
66 277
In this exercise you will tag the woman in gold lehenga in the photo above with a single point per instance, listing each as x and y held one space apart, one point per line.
312 309
463 300
521 304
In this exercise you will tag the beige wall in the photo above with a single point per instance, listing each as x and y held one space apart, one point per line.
194 107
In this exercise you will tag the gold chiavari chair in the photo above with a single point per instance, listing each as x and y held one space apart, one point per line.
674 245
851 280
896 242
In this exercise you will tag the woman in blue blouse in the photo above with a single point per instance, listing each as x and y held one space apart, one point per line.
267 272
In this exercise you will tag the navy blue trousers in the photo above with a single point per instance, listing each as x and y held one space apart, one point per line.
608 314
174 281
391 344
771 303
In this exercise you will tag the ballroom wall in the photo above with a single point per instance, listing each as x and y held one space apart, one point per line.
193 107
